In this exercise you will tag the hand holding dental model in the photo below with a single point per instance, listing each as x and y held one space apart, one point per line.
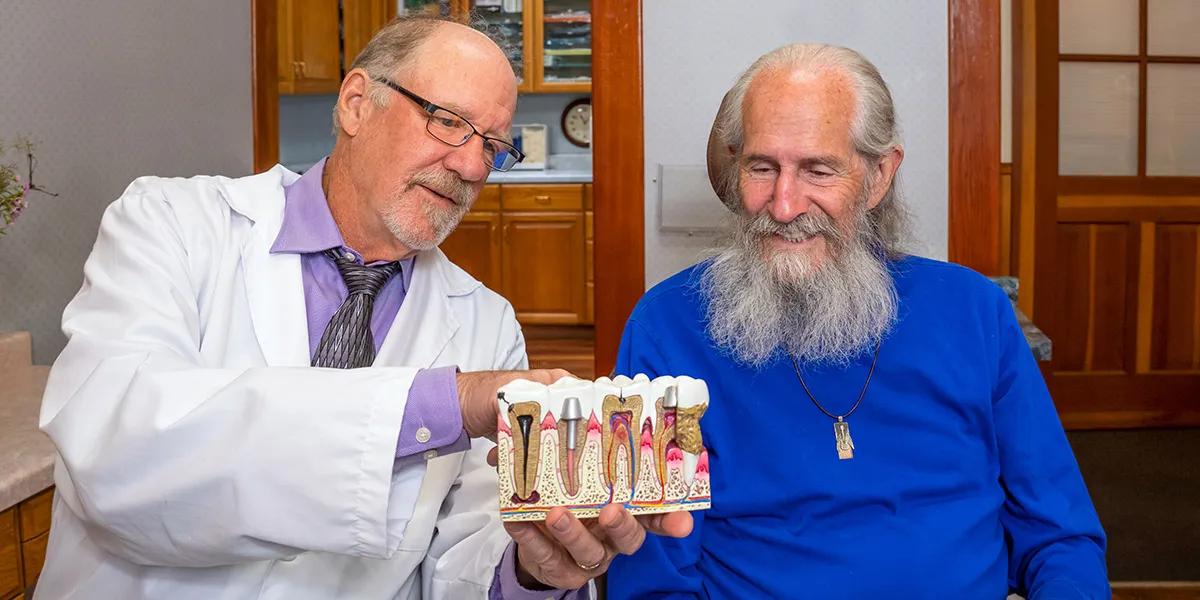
610 449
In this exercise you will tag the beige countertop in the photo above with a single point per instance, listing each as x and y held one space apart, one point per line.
26 454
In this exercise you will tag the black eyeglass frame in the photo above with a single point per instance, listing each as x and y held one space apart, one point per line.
430 108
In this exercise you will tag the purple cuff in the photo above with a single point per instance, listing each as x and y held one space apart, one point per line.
432 424
506 587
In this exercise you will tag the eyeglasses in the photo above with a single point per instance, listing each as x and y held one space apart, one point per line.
449 128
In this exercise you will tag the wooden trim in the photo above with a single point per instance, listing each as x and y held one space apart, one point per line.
618 156
534 32
1126 186
1024 146
974 227
1127 58
1145 305
264 82
1089 348
1045 150
1156 590
1066 201
1196 313
1006 220
1160 214
1141 127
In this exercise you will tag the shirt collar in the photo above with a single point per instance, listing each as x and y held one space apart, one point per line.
308 226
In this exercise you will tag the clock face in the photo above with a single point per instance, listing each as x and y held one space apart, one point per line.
577 124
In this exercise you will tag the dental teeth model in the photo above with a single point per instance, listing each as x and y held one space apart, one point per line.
582 444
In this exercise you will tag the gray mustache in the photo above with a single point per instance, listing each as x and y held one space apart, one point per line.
808 224
447 184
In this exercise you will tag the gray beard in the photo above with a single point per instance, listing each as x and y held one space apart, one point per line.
827 314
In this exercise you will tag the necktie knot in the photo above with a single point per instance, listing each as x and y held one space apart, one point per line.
361 279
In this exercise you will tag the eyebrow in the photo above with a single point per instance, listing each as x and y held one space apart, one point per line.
462 112
831 161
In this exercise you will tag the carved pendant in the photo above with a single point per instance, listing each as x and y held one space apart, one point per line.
845 445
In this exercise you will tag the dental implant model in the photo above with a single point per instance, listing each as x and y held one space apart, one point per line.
634 442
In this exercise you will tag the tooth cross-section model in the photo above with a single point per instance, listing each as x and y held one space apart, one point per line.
583 444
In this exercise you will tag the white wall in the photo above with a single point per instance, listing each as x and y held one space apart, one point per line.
112 90
693 54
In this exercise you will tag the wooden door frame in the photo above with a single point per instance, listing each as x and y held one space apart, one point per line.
618 146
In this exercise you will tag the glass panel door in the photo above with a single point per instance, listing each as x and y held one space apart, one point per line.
566 41
430 7
505 22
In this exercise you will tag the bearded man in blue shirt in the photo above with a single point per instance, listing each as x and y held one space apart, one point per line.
878 426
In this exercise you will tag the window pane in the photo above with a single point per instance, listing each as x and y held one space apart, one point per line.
1173 120
1097 118
1172 28
1098 26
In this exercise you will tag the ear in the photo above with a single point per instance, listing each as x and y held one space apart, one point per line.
353 105
885 172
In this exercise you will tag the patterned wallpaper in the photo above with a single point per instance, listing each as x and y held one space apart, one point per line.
694 54
112 90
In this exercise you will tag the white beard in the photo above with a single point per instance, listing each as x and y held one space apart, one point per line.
828 313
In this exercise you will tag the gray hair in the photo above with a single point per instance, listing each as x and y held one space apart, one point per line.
394 48
874 131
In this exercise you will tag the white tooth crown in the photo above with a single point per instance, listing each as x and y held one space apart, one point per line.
658 485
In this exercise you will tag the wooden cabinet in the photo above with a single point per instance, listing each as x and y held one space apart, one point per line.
24 532
544 266
529 243
319 39
589 228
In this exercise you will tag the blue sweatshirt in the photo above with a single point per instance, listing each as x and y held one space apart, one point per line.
962 484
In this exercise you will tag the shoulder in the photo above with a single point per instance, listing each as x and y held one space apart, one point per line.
943 282
213 196
679 294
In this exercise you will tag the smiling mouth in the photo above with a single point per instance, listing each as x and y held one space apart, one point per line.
797 239
440 195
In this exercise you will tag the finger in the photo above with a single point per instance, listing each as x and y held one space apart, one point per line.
494 457
532 542
624 533
585 548
673 524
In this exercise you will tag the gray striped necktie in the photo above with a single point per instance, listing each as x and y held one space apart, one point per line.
347 342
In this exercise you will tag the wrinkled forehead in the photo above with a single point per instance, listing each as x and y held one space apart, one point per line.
462 70
799 99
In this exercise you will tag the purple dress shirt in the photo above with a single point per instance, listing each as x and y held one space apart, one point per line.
432 411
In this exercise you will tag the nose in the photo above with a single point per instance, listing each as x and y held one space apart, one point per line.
789 200
467 160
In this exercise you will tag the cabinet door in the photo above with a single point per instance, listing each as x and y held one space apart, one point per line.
10 554
289 69
475 246
563 57
313 32
544 267
360 20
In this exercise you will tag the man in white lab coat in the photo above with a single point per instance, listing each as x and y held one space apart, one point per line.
216 436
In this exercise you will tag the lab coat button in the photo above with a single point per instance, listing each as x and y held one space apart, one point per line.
288 558
429 454
423 435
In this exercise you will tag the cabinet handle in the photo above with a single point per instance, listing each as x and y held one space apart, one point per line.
542 199
295 69
303 70
506 227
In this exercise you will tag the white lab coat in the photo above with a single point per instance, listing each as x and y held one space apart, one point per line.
201 458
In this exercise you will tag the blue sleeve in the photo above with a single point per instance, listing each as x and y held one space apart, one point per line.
664 568
1057 544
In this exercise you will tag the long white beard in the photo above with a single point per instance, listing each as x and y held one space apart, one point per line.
827 313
